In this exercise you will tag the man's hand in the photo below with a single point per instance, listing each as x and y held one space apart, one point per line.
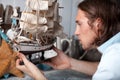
29 68
61 61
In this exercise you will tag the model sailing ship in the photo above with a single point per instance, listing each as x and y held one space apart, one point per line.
38 27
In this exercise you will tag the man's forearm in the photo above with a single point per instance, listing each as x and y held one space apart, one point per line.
39 75
40 79
86 67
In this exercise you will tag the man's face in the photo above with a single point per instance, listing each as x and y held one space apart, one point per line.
85 33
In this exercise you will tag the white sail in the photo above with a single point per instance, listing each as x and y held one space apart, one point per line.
29 17
37 4
31 22
33 28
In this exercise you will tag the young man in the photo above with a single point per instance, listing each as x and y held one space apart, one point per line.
98 24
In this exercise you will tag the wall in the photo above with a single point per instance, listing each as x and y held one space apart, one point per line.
68 13
14 3
74 12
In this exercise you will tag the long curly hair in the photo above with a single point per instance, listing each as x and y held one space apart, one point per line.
109 13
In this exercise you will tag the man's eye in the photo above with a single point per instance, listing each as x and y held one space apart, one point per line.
79 24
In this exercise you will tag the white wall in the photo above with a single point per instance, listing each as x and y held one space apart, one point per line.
68 13
14 3
74 12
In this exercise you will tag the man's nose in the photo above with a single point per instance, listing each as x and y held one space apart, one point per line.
76 31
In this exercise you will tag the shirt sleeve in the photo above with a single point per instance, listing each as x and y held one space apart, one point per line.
109 65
